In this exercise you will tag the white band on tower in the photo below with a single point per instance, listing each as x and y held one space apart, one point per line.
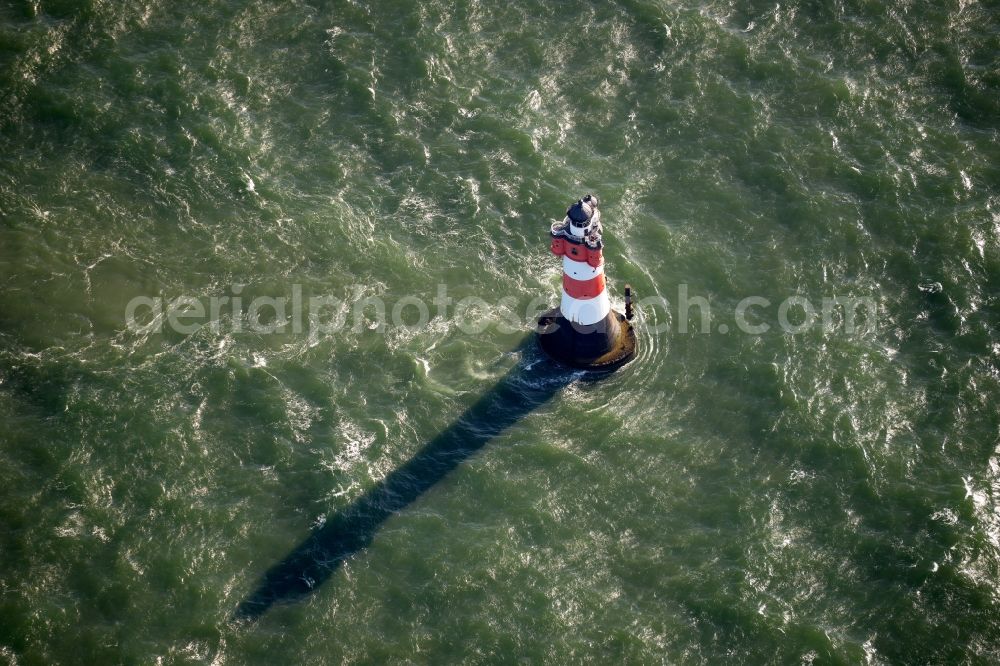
585 312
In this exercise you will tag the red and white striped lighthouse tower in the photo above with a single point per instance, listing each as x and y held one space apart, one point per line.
584 331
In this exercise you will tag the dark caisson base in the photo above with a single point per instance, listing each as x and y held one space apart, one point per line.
601 347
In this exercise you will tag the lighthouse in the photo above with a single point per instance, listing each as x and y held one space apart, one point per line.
584 331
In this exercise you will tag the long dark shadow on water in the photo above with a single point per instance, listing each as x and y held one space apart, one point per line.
523 389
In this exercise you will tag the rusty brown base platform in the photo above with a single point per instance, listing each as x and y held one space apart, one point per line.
601 347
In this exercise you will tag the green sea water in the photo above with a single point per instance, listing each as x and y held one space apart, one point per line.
816 495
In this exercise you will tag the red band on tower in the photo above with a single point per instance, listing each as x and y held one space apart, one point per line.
577 251
583 289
